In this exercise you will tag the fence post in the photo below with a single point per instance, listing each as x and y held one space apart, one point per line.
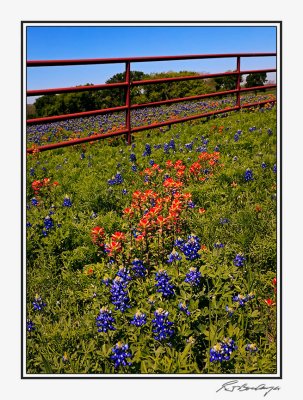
127 102
238 82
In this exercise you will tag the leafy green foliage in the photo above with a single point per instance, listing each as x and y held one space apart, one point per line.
68 270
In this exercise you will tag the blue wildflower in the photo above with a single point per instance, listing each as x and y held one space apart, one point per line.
48 223
119 295
38 303
263 165
120 355
133 157
67 202
230 311
251 347
172 145
248 175
191 204
105 321
139 319
184 308
190 248
218 245
224 221
239 260
222 350
30 326
162 327
138 268
134 168
34 202
151 162
28 224
174 256
274 168
193 277
163 283
147 151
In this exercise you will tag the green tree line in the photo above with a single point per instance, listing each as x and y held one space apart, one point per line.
66 103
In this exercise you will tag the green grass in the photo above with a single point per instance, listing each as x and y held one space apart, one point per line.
57 265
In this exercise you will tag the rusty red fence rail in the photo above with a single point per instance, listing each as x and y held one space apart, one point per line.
128 84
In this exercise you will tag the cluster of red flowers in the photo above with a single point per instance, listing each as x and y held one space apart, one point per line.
156 212
115 244
42 184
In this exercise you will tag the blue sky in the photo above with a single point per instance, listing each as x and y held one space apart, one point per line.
70 42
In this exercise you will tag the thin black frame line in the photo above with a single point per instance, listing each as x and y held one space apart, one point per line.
22 216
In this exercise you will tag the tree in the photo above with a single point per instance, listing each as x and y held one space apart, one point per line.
227 82
256 79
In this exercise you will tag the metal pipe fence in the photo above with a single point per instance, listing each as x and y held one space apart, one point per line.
128 84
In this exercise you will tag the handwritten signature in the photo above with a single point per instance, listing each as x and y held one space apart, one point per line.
232 386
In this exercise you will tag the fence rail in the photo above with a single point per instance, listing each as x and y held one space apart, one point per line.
128 84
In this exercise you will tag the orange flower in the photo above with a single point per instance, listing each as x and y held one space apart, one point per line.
258 208
144 223
270 302
202 210
118 236
97 235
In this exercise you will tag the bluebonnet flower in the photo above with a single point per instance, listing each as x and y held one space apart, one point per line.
222 350
230 311
48 223
248 175
251 347
239 260
174 256
201 149
133 145
253 128
193 277
67 202
82 156
189 146
147 151
241 299
263 165
38 303
224 221
28 224
146 178
191 204
34 202
236 137
162 327
32 172
120 355
139 319
239 131
106 281
134 168
30 326
190 248
133 157
275 168
269 131
105 321
166 148
163 284
119 295
151 162
124 274
116 180
217 148
218 245
138 268
172 145
183 307
124 191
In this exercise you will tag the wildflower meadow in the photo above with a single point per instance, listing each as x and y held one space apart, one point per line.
154 258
